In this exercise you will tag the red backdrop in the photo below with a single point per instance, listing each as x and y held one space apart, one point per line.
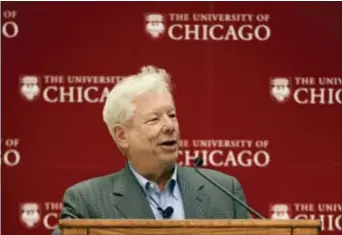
284 148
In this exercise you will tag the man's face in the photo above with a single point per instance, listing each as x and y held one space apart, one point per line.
153 133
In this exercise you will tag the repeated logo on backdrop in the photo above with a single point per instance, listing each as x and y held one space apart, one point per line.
208 27
226 152
10 154
66 88
30 87
94 89
34 215
307 90
328 213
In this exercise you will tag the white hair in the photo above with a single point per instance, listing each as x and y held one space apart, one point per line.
119 107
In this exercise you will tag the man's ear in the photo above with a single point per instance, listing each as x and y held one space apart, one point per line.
121 135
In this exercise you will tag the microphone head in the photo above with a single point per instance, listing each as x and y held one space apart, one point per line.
198 162
167 212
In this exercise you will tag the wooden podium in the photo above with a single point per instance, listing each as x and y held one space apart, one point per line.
189 227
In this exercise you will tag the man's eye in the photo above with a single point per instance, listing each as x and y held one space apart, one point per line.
172 115
153 119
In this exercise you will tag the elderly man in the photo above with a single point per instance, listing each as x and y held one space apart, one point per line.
141 117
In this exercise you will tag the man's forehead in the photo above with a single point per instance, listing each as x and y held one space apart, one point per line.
150 100
154 109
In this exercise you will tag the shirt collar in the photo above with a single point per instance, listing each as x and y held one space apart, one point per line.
145 183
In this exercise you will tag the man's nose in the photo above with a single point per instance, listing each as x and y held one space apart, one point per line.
169 125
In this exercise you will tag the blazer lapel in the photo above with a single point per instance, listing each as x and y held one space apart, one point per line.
195 199
129 197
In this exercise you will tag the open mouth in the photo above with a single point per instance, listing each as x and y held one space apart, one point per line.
169 143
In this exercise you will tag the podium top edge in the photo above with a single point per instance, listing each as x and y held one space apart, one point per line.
188 223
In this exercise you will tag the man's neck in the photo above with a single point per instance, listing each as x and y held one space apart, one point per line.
160 176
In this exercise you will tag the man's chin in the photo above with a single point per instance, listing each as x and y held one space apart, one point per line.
169 158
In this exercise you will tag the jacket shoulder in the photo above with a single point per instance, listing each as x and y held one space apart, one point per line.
94 184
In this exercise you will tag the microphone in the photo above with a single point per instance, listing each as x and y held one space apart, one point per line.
198 163
166 213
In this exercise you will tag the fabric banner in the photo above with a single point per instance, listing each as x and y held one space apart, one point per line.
257 88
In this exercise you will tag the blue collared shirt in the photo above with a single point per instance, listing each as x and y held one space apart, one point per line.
170 196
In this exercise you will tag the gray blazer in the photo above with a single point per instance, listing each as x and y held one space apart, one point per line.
119 196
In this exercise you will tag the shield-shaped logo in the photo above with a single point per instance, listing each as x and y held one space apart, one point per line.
29 86
155 25
280 89
30 214
280 211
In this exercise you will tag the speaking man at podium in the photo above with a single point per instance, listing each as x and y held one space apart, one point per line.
141 117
